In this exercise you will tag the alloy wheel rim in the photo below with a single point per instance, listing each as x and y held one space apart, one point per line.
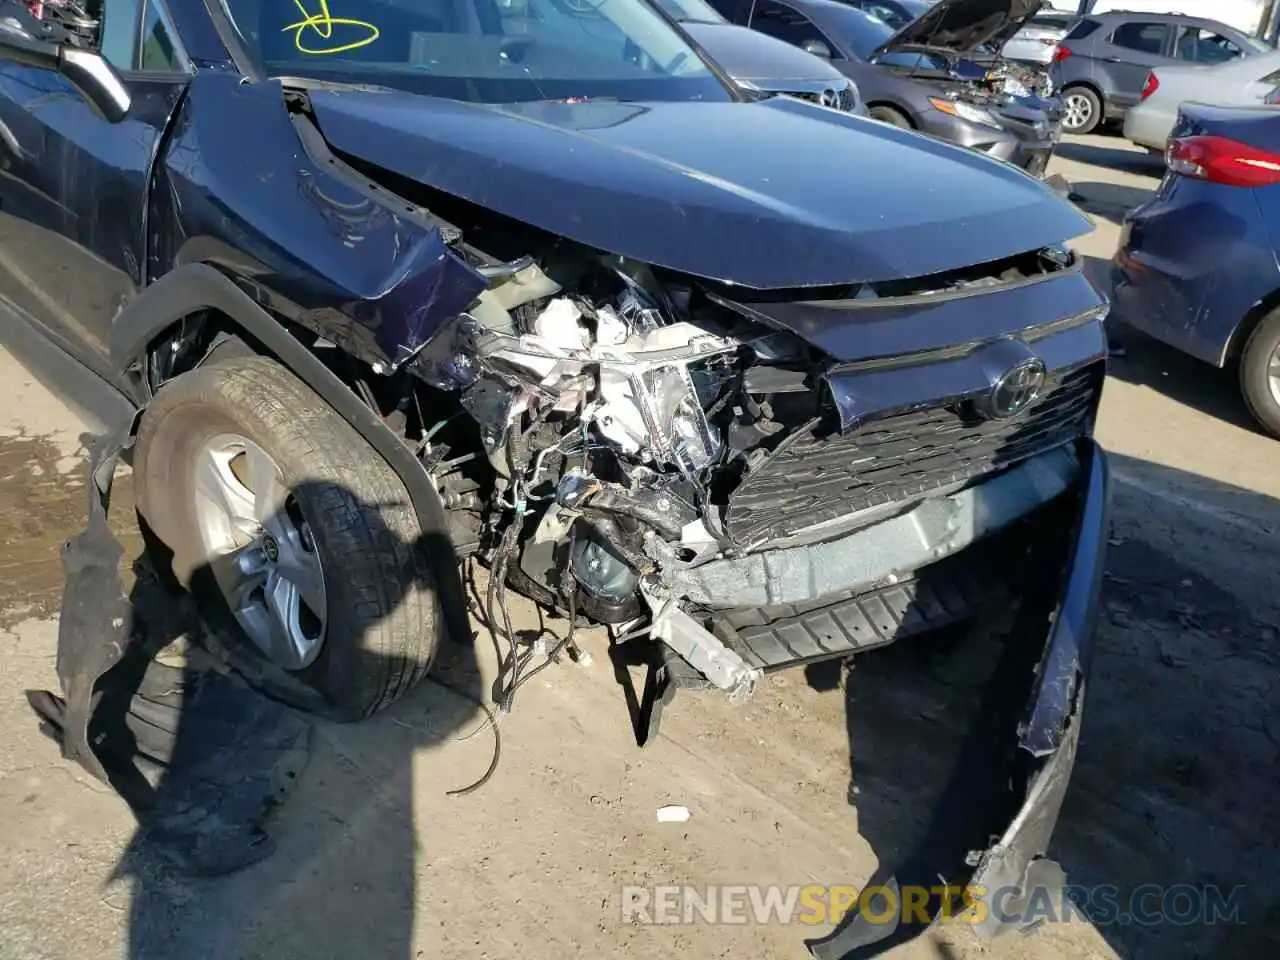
1077 111
1273 375
260 550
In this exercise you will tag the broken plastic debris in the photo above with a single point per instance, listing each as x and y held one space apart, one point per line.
673 813
558 324
610 328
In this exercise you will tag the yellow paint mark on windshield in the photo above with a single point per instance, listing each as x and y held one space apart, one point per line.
320 26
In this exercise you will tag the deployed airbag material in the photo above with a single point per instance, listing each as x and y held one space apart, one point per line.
199 756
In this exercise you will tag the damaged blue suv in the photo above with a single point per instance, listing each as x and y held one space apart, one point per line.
368 289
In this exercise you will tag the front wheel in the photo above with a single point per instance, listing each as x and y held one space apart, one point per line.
1260 374
1081 110
290 530
895 118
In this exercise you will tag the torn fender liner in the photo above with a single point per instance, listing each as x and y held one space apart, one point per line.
199 756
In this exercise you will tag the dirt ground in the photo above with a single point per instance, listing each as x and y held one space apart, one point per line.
1175 784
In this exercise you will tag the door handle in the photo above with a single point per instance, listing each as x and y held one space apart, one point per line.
1112 60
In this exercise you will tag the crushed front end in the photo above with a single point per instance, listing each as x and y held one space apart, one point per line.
747 430
737 483
747 483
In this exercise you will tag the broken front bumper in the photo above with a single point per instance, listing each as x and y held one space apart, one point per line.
1024 737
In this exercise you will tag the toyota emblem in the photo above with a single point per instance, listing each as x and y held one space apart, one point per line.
830 98
1016 388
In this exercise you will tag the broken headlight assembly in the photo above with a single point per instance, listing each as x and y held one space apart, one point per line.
658 413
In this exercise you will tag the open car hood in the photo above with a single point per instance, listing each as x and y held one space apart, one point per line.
961 26
775 194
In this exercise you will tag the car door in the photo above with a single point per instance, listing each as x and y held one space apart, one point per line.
1134 49
1196 44
73 193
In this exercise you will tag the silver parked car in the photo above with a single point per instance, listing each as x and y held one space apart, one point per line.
1237 83
1036 42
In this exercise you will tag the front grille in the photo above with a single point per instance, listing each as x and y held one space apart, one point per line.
817 474
844 98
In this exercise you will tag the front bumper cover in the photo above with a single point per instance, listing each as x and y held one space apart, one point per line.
1025 735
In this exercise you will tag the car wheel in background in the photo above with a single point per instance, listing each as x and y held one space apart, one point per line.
1260 373
890 116
290 531
1081 110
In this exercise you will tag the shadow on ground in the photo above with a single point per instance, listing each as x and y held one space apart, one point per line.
1172 801
1149 363
203 758
1112 157
1145 361
1110 201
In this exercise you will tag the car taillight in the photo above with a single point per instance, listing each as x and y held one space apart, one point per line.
1150 87
1061 53
1219 160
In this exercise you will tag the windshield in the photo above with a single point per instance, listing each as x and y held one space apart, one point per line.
860 31
895 13
1257 44
489 51
690 11
864 34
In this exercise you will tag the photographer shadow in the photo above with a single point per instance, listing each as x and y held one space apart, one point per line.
192 729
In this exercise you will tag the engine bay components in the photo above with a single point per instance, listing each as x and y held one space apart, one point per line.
662 452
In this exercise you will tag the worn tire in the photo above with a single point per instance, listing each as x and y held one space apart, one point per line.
1262 345
382 620
890 115
1095 109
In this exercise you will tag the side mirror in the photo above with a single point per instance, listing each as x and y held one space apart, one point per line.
817 48
86 70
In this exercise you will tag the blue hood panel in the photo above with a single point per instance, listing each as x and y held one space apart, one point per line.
773 194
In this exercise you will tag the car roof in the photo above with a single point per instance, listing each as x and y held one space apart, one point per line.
1146 15
829 6
1118 17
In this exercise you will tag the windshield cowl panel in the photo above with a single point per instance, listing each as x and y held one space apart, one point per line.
484 51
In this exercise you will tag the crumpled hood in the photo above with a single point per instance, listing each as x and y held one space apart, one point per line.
773 194
961 26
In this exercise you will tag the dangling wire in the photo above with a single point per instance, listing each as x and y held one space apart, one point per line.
496 606
553 656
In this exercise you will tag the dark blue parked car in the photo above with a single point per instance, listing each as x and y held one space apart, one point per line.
1197 265
374 287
